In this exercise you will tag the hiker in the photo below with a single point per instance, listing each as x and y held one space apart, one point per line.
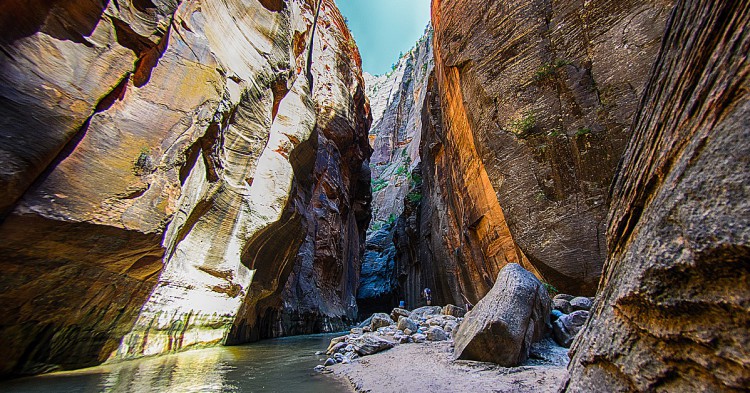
427 295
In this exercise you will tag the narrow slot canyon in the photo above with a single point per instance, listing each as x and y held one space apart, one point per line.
347 195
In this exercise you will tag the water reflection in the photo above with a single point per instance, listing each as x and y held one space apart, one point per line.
280 365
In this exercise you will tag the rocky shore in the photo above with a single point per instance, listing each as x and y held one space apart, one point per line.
445 349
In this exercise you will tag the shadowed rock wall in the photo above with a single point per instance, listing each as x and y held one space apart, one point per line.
672 314
536 100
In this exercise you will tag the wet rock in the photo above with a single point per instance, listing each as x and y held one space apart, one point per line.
338 357
580 303
330 361
565 328
369 344
407 324
319 368
399 312
504 324
453 310
562 305
424 312
436 333
317 353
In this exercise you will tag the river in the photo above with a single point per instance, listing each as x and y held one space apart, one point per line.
278 365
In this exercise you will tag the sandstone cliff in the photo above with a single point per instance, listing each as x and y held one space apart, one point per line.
178 134
535 98
396 99
673 312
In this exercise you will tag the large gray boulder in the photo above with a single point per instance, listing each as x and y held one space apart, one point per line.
379 320
406 323
504 324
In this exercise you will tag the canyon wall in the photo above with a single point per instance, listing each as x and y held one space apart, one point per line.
673 311
535 98
152 151
396 100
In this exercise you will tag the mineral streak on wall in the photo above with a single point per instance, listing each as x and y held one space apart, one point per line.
182 135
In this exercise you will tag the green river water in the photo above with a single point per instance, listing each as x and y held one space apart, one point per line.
278 365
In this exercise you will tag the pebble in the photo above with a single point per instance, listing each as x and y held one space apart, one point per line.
330 362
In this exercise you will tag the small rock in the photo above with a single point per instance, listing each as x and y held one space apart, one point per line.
407 324
346 361
349 348
564 296
335 346
338 357
329 362
565 328
454 311
409 332
450 326
379 320
317 353
556 314
418 338
436 334
399 312
319 368
424 312
357 331
562 305
581 303
366 329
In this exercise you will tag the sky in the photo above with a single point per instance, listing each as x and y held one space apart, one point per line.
384 28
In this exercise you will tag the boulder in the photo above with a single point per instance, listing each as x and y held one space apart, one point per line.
332 347
565 328
424 312
452 310
564 296
406 323
436 333
366 322
399 312
581 303
369 344
562 305
329 362
418 338
556 314
504 324
379 320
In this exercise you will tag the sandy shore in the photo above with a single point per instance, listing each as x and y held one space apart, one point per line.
428 367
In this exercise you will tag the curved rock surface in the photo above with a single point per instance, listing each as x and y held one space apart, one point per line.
536 101
176 134
673 312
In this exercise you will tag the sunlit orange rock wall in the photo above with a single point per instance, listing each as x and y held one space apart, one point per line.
537 98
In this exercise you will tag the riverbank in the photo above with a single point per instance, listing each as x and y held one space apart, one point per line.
429 367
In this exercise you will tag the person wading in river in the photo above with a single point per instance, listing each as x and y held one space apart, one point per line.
427 295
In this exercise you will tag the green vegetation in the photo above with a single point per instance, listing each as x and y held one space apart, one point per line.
547 70
522 127
583 131
551 290
379 184
391 219
414 196
401 170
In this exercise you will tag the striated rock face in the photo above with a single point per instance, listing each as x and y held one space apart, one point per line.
536 99
175 134
396 99
673 312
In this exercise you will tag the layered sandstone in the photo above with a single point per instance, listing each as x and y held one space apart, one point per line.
536 98
674 307
183 135
396 99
